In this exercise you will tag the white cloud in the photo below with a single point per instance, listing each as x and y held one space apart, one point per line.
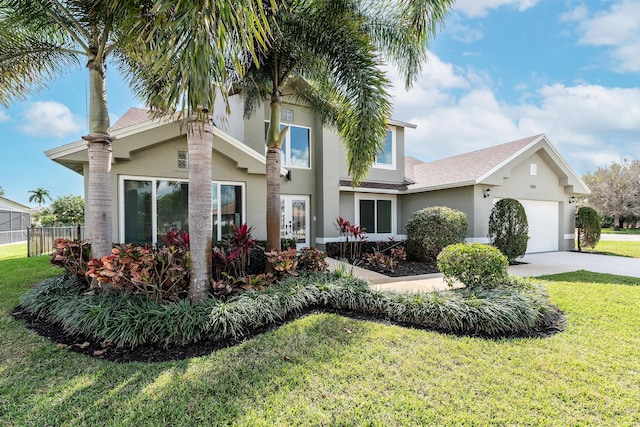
618 29
576 14
465 33
4 117
457 111
49 118
476 8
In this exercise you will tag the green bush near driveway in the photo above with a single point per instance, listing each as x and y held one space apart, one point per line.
509 228
473 264
588 227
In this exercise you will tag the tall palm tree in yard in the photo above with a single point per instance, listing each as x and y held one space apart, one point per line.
39 196
185 51
1 191
172 51
40 40
327 53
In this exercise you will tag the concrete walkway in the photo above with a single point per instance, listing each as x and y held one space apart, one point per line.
534 265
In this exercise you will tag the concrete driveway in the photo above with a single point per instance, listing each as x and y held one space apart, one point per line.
563 262
534 265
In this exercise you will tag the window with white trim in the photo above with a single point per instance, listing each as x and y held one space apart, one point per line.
147 204
386 159
296 147
376 213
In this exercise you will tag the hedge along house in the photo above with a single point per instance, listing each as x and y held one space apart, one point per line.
14 221
530 170
150 173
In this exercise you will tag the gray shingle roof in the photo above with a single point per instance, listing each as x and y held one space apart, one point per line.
133 116
463 168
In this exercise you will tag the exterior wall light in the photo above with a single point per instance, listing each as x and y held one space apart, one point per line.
572 199
486 193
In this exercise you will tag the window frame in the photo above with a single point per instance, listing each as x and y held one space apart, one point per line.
392 165
287 143
154 197
394 213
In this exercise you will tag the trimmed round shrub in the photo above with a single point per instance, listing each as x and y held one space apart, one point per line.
431 229
474 264
509 228
589 227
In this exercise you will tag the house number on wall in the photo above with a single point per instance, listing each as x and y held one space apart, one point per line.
532 186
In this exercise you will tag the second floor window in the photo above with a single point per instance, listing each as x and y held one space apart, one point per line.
296 148
387 159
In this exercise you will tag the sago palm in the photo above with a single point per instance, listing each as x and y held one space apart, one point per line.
328 53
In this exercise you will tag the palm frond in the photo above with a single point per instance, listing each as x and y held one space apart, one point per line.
187 49
30 61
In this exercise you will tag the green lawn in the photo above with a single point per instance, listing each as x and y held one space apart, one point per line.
621 231
611 247
330 370
13 250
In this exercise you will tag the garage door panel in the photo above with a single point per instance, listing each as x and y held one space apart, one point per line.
543 218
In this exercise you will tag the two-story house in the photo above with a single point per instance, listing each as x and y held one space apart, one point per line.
150 181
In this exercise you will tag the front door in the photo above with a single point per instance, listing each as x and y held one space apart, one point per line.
294 219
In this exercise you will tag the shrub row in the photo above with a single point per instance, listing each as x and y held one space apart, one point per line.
131 320
161 272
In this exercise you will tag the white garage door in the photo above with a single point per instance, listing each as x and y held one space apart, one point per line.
543 220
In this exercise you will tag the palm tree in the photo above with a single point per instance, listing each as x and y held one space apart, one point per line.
187 51
184 46
327 54
39 196
1 191
39 41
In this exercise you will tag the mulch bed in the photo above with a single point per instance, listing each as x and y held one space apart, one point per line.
406 268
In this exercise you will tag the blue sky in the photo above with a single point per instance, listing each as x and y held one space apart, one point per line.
499 70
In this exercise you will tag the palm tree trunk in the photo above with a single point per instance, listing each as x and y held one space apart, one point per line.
275 138
99 197
273 198
200 146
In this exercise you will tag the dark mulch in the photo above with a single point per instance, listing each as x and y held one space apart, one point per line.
151 353
406 268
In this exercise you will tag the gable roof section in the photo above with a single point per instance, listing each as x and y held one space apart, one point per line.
133 116
489 166
10 205
136 130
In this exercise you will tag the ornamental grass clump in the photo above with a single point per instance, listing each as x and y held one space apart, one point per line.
431 229
473 264
131 320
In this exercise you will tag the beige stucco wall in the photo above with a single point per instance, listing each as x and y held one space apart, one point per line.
461 199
